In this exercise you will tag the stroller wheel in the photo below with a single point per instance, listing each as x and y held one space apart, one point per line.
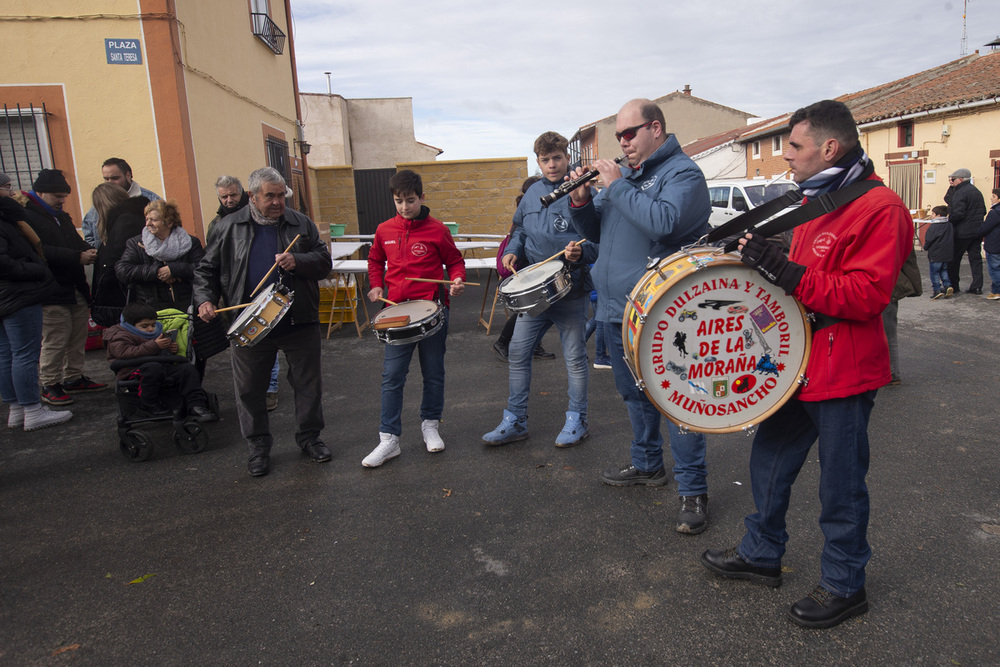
136 446
190 438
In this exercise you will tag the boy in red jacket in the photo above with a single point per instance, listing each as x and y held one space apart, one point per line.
413 245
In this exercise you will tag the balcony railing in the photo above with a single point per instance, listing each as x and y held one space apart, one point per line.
268 32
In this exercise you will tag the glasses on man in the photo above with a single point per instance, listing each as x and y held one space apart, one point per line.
628 134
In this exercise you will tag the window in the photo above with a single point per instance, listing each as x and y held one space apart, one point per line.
904 180
755 148
719 196
739 202
264 28
24 144
776 145
905 134
277 156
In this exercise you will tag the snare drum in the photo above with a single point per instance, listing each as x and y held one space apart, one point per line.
261 316
714 346
536 287
425 319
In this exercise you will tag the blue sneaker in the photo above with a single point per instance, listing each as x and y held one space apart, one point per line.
602 362
511 429
573 431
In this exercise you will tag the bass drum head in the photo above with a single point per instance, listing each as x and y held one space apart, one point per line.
721 348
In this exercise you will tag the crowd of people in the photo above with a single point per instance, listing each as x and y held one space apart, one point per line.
842 266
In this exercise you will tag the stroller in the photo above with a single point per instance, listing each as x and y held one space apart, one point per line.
189 435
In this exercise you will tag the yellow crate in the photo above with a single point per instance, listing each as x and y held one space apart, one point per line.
343 309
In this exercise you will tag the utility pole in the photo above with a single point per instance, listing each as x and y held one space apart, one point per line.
965 36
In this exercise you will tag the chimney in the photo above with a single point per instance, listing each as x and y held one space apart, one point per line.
687 89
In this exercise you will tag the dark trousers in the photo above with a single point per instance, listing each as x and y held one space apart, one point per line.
252 373
974 248
185 377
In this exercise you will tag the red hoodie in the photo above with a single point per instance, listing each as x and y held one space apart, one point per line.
853 257
413 249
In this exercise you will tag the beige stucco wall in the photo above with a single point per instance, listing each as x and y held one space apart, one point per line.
324 123
235 85
108 105
365 133
972 135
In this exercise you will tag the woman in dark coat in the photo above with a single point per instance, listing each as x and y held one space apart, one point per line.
120 218
158 266
25 282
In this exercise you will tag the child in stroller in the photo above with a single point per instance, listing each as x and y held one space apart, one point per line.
145 360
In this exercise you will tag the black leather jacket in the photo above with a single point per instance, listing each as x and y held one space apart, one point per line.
222 272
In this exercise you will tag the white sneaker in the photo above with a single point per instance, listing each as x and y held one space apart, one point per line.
41 416
429 427
16 417
388 448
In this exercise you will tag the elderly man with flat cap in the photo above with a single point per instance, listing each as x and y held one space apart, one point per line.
966 210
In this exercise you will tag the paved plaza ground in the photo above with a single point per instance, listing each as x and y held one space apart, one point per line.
515 555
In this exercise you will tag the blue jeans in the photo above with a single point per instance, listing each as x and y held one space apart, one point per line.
993 266
570 317
939 276
272 386
600 350
20 349
688 449
780 448
430 351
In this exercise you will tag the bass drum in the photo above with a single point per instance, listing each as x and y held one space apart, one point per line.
714 346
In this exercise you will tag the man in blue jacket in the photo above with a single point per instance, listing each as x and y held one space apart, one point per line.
538 233
650 208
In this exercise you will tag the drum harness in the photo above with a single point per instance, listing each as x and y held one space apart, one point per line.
732 231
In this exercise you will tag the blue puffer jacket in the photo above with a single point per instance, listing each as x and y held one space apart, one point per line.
991 230
652 212
541 232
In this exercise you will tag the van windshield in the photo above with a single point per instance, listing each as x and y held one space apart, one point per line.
759 194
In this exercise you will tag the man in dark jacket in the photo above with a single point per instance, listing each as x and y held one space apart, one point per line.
966 210
991 243
67 311
231 196
242 248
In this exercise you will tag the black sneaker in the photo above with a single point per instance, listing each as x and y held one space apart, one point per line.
501 350
631 476
56 395
974 291
693 517
540 353
84 384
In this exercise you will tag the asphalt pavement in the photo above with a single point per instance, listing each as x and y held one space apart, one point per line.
513 555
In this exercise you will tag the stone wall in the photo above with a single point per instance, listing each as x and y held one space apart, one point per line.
477 194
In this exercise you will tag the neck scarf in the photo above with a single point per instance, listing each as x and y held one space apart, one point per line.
155 333
176 245
854 166
260 218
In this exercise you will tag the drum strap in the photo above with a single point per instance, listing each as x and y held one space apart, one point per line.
826 203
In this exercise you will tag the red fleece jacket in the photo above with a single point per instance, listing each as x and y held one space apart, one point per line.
415 249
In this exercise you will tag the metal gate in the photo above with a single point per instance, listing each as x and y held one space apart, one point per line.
371 191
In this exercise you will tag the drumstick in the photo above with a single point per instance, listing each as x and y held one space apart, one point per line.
242 305
391 303
268 274
576 243
443 282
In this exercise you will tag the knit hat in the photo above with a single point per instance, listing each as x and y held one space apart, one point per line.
961 173
51 180
4 180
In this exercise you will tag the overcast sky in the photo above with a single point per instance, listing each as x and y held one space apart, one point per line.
486 78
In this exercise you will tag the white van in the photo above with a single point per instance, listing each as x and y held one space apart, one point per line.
732 197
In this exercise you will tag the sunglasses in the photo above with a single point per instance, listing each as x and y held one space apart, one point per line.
628 134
